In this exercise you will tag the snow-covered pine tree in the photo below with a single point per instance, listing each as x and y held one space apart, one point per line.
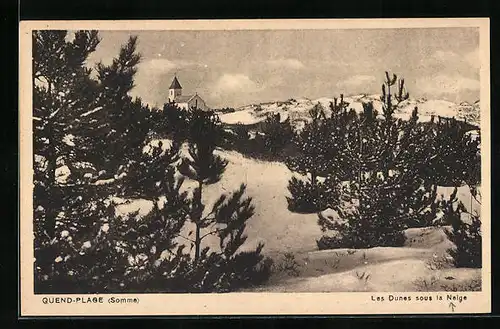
155 259
466 237
74 118
389 191
341 124
277 134
459 164
459 160
230 268
312 159
59 77
115 131
60 80
71 262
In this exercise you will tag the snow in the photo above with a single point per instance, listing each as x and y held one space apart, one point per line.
298 110
84 165
40 162
92 111
104 181
125 207
473 134
68 139
380 269
105 228
431 107
166 145
244 117
62 174
53 114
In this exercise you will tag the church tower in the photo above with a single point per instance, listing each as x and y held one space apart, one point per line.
174 90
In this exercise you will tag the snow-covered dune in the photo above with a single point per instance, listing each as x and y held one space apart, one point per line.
272 223
243 117
297 109
420 265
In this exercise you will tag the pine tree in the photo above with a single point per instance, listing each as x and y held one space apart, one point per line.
313 159
389 190
75 118
156 259
277 134
459 157
204 166
466 237
59 79
229 268
115 132
342 124
459 164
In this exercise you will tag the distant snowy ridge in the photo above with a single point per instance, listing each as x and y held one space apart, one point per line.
297 109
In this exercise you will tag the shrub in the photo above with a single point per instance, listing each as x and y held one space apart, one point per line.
328 242
287 265
466 237
309 198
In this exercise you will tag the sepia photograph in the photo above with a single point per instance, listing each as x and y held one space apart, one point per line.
206 159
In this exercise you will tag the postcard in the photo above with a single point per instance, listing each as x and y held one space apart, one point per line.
254 167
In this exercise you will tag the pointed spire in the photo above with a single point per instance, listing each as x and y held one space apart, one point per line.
175 83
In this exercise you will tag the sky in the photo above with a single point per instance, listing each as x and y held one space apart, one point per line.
233 68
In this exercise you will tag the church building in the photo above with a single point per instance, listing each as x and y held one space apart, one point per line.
184 101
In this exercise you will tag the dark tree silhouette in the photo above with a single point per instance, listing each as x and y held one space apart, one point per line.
466 237
314 159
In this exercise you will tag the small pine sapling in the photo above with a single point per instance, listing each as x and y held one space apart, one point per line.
466 237
230 268
313 160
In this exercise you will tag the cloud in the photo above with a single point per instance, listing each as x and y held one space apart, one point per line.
447 84
445 56
453 60
231 83
161 65
357 81
157 65
288 63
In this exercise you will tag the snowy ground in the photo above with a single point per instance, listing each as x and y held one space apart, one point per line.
266 183
418 266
